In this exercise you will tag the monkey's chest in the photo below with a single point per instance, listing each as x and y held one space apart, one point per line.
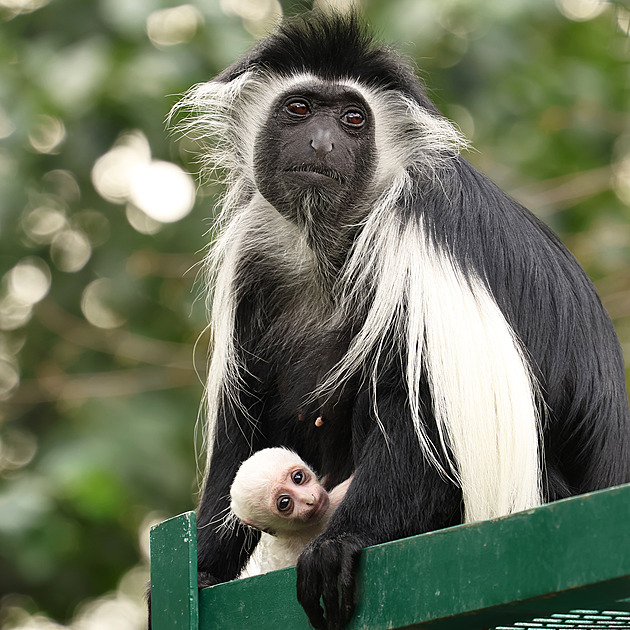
317 422
302 381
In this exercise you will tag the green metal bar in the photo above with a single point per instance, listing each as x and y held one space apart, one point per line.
174 591
572 553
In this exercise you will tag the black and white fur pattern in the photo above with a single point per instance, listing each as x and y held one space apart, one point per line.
457 315
458 328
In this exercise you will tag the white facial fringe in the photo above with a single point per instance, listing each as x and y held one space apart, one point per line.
226 118
484 395
256 229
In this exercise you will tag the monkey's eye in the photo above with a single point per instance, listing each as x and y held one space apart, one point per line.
284 504
353 119
298 477
298 108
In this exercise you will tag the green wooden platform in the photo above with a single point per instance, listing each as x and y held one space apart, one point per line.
562 565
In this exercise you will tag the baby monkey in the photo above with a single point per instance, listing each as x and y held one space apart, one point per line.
275 492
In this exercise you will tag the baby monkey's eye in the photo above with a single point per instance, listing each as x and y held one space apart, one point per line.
284 504
298 477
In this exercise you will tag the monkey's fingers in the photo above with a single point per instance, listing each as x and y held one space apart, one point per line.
309 589
330 589
205 579
347 577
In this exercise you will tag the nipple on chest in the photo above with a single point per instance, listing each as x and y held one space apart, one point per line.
302 416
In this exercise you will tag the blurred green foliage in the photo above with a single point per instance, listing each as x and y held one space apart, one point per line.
99 308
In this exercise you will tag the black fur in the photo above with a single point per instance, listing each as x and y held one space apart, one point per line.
548 299
286 345
339 48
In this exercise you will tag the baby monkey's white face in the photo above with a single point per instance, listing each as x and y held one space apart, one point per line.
298 499
276 492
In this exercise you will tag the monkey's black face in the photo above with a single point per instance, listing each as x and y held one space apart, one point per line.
314 159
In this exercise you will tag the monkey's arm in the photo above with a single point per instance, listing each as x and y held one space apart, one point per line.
337 494
223 551
394 493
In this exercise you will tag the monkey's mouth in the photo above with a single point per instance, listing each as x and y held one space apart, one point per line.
312 169
320 509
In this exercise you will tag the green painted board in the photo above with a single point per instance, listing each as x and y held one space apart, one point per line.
568 554
174 592
572 554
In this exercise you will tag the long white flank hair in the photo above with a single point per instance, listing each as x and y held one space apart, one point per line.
484 395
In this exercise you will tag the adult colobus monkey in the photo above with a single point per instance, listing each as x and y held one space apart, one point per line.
455 356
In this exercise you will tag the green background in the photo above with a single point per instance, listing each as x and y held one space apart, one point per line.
102 359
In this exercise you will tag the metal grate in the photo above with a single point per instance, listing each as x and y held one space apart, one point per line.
577 620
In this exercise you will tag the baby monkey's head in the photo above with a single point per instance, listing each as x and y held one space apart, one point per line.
276 492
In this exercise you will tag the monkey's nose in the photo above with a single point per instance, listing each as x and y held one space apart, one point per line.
310 500
322 142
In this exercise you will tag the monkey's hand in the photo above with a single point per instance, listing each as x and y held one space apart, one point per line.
327 569
204 579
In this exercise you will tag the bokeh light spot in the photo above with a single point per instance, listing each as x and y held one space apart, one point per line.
70 250
96 304
14 8
29 280
581 10
112 172
63 184
176 25
13 313
47 134
163 191
259 16
17 446
9 380
141 222
42 223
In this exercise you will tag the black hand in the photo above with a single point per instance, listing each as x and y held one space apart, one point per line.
204 579
326 570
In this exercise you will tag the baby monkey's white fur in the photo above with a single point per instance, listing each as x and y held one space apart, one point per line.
276 492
